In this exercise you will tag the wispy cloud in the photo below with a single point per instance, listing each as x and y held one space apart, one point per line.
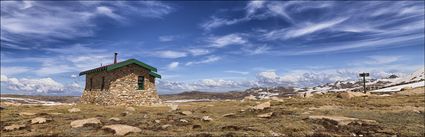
173 65
306 29
48 21
170 54
199 52
209 59
237 72
226 40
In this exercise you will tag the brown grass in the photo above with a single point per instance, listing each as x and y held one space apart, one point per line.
395 115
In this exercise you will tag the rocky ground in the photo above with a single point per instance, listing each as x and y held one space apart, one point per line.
400 114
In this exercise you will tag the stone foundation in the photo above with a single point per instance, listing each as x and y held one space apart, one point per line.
136 98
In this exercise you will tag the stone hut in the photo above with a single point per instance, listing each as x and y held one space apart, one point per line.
129 82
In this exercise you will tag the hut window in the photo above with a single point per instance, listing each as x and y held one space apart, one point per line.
103 83
141 83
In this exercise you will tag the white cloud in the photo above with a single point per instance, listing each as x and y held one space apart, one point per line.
108 12
166 38
253 6
173 65
293 32
170 54
237 72
209 59
12 70
45 21
198 52
43 85
226 40
377 60
3 78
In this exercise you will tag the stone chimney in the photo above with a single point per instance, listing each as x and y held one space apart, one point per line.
115 58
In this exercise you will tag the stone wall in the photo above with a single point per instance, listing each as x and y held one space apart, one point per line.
120 87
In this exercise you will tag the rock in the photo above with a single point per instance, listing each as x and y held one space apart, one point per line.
11 103
166 126
304 94
406 88
186 113
54 113
229 115
39 120
250 97
1 108
262 106
174 107
131 109
14 127
184 121
275 134
349 94
85 122
125 113
343 121
157 121
266 115
276 99
114 119
122 130
73 110
196 126
206 118
27 114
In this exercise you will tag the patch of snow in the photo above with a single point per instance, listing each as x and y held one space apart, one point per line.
189 100
399 87
30 101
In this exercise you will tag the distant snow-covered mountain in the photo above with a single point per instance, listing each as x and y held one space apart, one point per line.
372 84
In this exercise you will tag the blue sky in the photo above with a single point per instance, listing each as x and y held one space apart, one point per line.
209 46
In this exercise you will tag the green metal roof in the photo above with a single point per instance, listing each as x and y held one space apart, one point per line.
111 67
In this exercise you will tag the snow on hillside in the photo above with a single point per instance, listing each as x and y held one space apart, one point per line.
413 80
399 87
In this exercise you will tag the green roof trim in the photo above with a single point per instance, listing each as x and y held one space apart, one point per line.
128 62
154 74
122 64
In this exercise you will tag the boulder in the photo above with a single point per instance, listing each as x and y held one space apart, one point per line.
54 113
85 122
27 114
184 121
250 97
39 120
73 110
206 118
14 127
276 99
157 121
262 106
166 126
343 121
266 115
229 115
186 113
349 94
130 109
304 94
122 130
114 119
174 107
406 88
125 113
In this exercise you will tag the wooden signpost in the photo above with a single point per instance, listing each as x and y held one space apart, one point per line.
364 75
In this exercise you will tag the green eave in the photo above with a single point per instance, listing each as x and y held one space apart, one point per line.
154 74
122 64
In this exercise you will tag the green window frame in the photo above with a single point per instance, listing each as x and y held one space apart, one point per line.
141 83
